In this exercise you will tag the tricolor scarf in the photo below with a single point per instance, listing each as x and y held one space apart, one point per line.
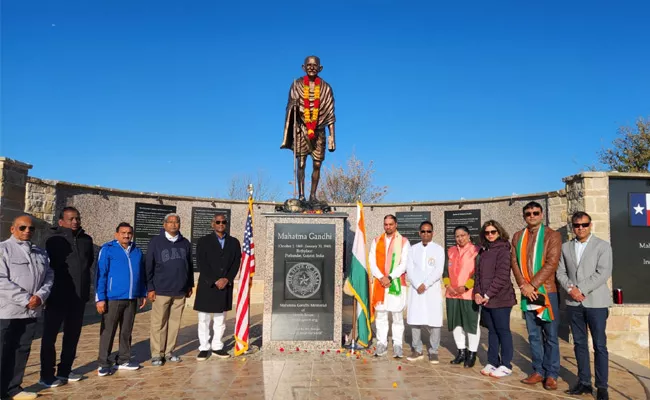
388 263
545 313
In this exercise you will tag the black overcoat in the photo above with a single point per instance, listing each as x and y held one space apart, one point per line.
216 263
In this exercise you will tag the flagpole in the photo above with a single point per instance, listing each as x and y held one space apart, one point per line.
354 333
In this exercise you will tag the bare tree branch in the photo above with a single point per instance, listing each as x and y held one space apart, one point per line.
339 185
263 188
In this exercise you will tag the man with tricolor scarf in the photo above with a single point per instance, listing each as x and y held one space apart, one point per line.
387 257
535 259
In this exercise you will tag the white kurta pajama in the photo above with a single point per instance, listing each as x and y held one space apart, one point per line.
393 304
425 266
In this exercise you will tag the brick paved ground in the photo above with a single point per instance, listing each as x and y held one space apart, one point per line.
271 374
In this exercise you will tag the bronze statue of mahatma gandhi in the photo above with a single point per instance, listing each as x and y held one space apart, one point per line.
309 110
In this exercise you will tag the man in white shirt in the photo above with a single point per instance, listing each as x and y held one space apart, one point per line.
388 256
424 270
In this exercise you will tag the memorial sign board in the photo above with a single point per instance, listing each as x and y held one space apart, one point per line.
148 222
202 225
408 223
303 282
469 218
630 237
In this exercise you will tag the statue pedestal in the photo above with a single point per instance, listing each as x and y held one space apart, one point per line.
303 281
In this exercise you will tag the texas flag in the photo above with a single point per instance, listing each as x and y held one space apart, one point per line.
639 203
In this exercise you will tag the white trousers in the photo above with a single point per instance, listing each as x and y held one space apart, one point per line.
381 321
472 338
219 328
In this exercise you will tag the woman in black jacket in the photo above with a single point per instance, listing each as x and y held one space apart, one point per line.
493 290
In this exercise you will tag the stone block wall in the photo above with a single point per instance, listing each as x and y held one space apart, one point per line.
13 176
40 199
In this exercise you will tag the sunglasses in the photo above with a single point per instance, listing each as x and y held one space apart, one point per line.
22 228
423 231
583 225
221 222
535 213
492 232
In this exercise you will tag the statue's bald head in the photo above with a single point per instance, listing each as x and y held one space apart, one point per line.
315 58
23 228
312 66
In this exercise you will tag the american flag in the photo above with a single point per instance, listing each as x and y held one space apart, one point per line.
247 270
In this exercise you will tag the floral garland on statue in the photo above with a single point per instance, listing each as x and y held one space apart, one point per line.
311 114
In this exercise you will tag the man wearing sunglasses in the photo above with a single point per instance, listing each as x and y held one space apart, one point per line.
218 256
585 267
426 263
534 261
25 284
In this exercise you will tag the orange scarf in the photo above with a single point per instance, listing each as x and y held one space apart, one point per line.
378 291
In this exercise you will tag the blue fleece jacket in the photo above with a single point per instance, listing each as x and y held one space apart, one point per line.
169 266
120 273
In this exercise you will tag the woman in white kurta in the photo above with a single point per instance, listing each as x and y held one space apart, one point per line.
424 269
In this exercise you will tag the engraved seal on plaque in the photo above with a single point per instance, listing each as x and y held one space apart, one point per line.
303 280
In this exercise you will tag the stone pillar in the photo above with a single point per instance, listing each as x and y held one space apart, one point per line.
13 177
589 192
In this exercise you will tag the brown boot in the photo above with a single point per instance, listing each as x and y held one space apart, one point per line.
533 379
550 384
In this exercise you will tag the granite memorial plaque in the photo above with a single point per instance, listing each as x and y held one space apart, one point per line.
303 282
470 218
202 225
148 222
408 224
630 237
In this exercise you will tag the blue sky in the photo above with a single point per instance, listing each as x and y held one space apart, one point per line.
470 99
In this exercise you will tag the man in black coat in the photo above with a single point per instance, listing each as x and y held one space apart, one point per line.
71 257
218 256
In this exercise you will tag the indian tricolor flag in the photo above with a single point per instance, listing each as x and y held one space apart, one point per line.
357 282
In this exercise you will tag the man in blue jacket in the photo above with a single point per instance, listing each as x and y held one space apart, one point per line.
170 279
120 283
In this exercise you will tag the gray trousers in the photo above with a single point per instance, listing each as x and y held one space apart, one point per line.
434 338
119 313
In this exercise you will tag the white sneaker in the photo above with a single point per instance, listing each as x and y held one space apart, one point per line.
488 369
501 372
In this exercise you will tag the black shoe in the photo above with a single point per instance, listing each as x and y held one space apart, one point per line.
460 357
221 353
470 359
579 388
203 355
601 394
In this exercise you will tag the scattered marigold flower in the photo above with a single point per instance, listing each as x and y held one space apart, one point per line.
395 384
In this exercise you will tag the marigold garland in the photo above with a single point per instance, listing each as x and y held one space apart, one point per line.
311 114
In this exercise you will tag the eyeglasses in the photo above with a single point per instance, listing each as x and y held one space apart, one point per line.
221 222
22 228
583 225
492 232
423 231
535 213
